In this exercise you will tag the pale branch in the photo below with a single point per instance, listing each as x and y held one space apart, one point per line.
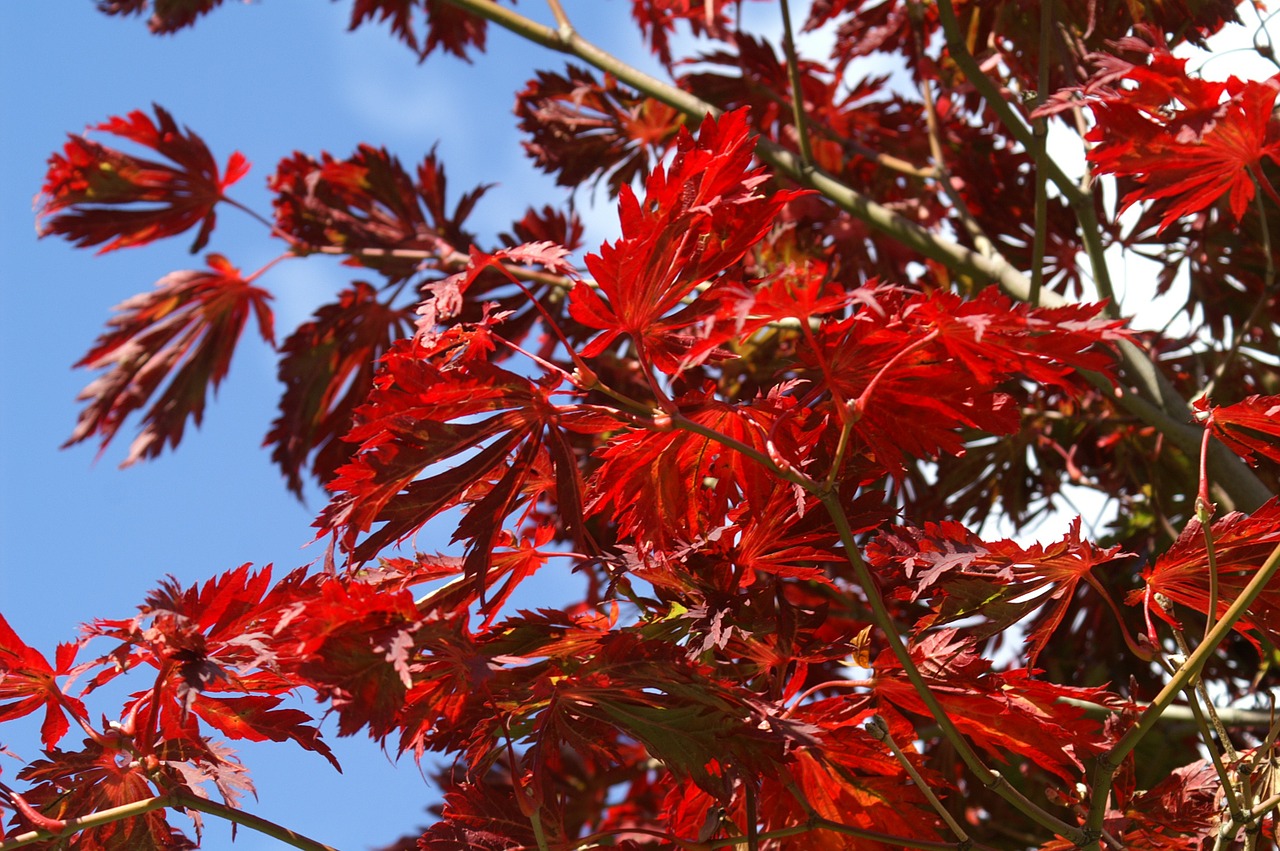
1229 716
174 800
1241 489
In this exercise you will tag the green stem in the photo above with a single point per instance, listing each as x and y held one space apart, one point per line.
878 729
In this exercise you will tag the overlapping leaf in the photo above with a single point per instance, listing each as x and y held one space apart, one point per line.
447 404
1241 544
1209 145
94 194
183 333
327 369
999 712
446 26
370 207
698 217
963 576
913 369
581 128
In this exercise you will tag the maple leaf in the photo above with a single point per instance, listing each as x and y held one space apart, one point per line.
580 127
447 26
479 815
371 207
431 405
1002 581
256 718
185 332
998 712
1241 544
699 217
936 360
104 775
27 683
1249 428
167 16
94 194
657 20
327 369
1185 142
643 481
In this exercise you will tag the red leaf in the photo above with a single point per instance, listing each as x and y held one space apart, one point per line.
94 194
1210 145
431 405
1241 544
698 218
327 369
27 682
167 16
582 129
254 717
447 25
369 206
184 332
998 712
1247 427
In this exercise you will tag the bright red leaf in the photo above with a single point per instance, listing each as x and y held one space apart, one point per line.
94 194
1184 141
28 683
1249 428
698 217
1241 544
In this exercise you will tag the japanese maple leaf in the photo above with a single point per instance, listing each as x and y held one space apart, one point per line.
167 16
1003 581
911 370
327 369
1241 544
1000 712
447 26
1249 428
371 206
103 775
184 332
431 405
27 684
698 217
479 816
582 128
94 194
1186 143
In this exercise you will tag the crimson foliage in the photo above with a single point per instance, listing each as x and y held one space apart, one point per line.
765 426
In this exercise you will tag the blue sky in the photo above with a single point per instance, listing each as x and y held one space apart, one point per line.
80 538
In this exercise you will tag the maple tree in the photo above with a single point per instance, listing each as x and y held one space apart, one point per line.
847 330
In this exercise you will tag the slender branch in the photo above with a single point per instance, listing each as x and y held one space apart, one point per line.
797 93
878 729
1109 763
1230 717
1040 151
179 800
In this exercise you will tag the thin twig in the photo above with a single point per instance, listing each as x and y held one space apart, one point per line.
797 92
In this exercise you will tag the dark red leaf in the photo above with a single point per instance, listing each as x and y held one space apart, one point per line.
447 26
184 332
167 16
94 194
327 369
